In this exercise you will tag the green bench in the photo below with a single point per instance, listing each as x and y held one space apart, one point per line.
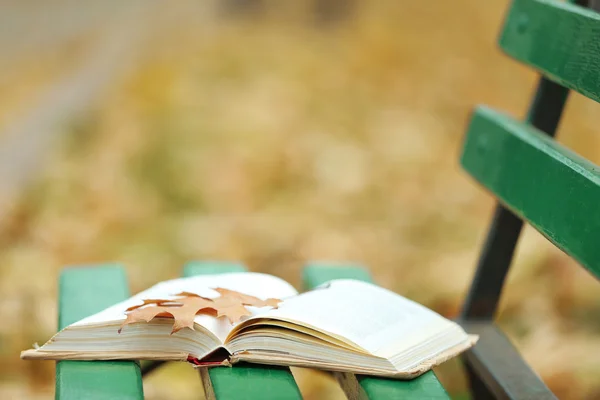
86 290
535 179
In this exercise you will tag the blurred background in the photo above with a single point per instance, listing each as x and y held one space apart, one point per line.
153 133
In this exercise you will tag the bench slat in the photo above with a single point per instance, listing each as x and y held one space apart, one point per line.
540 180
427 386
559 39
242 381
84 291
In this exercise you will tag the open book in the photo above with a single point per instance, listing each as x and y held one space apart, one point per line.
343 325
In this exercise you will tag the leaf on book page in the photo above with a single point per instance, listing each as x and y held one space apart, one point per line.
246 299
190 294
187 305
156 302
231 308
182 310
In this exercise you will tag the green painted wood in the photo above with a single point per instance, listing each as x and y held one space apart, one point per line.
427 386
211 267
554 189
84 291
559 39
245 381
316 274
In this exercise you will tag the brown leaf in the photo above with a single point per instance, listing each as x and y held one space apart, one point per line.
247 300
157 302
190 294
181 310
145 314
186 305
231 308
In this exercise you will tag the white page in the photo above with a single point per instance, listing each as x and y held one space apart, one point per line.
376 319
259 285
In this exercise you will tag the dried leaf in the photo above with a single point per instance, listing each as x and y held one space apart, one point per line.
231 308
157 302
247 300
190 294
186 305
146 314
181 310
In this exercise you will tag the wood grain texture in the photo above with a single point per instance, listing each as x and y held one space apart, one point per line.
546 184
560 39
243 381
427 386
84 291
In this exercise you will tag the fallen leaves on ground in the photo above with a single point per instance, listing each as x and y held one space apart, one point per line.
186 305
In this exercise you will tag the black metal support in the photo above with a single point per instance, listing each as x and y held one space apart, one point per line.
493 265
593 4
477 388
499 370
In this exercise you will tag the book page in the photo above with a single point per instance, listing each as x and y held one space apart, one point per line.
259 285
377 320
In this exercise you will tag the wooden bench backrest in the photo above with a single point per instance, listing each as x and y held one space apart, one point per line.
557 38
535 179
544 183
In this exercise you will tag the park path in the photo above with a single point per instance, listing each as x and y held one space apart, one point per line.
31 27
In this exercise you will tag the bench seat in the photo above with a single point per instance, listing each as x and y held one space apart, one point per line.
86 290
